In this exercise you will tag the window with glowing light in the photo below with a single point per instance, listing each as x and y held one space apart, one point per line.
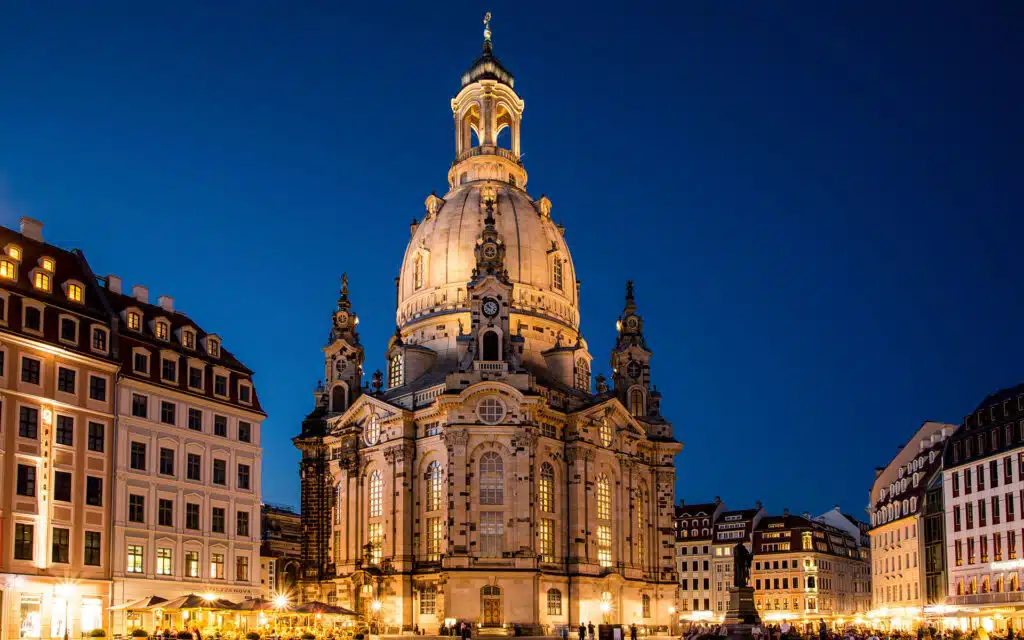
14 251
604 545
641 524
192 564
41 281
134 321
492 534
74 293
554 602
372 431
8 269
428 601
217 566
606 431
376 539
546 488
433 539
435 487
646 605
557 276
46 264
135 553
604 498
376 490
492 479
546 540
164 563
582 375
395 377
636 403
163 331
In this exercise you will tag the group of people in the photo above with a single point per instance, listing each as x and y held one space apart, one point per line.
458 630
167 633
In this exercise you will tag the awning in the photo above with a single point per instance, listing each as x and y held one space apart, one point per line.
324 608
139 605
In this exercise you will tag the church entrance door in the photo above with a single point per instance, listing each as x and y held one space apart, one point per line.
491 606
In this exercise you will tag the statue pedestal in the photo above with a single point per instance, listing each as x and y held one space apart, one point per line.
741 616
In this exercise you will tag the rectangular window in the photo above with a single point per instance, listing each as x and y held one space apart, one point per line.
165 512
1009 507
982 513
96 436
604 545
956 483
242 568
970 550
61 546
956 517
68 330
28 422
30 370
217 566
65 380
191 564
138 456
220 385
98 388
217 520
136 508
169 370
195 377
970 515
492 534
134 558
1007 465
195 419
220 426
2 354
167 412
26 485
546 541
191 516
92 548
967 480
995 509
194 466
33 319
242 524
434 536
993 474
244 432
24 541
244 393
980 476
376 536
166 462
94 491
141 363
99 339
140 406
1011 545
220 472
65 433
243 476
164 562
62 486
428 602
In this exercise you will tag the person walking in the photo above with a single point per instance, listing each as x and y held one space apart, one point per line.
590 630
632 631
565 632
822 629
582 631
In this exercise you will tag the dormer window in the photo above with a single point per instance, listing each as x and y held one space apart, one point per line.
134 320
46 263
14 251
8 269
188 339
162 330
41 281
244 392
213 348
74 291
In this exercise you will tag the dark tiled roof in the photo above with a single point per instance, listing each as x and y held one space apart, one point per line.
999 396
694 510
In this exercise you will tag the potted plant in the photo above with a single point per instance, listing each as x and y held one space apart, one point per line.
97 633
252 635
139 633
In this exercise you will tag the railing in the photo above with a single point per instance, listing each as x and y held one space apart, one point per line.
1015 597
490 367
487 150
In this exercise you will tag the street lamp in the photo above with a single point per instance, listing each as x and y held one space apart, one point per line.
280 602
605 608
65 590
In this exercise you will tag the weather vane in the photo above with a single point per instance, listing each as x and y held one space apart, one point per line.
487 26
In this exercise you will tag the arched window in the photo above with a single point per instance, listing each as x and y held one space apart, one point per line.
546 490
554 602
582 375
372 431
491 346
434 487
417 272
604 515
492 479
491 590
646 605
636 403
338 399
395 377
557 278
8 269
376 491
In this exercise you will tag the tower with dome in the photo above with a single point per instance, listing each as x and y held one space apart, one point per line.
483 476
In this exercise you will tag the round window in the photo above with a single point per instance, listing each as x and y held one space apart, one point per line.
491 410
372 431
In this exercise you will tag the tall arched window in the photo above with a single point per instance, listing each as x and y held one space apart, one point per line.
417 272
636 403
646 605
376 495
546 490
582 375
604 525
395 377
491 346
641 524
492 479
434 487
557 278
338 399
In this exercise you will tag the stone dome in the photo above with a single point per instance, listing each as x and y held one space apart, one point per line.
439 260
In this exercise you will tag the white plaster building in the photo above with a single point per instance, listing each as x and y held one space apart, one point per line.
187 459
731 528
694 534
489 482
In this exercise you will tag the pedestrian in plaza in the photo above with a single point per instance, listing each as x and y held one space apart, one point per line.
582 632
590 630
822 629
565 632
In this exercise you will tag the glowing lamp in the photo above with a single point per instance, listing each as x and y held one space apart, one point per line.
376 604
209 596
605 607
281 601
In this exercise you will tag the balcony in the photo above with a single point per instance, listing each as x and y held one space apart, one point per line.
1006 597
488 150
490 367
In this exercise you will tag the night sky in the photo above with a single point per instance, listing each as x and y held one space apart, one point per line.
820 202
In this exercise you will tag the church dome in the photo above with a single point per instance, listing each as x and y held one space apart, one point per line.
439 260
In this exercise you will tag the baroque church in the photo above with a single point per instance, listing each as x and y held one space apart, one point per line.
484 476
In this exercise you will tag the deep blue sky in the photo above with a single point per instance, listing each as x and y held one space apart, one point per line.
820 202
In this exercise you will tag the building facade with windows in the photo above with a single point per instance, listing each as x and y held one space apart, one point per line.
983 493
280 551
897 526
187 459
805 570
57 381
694 526
490 480
732 528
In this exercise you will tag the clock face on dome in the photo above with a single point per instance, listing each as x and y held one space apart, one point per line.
634 369
490 251
490 307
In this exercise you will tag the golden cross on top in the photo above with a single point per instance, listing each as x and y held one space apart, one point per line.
487 26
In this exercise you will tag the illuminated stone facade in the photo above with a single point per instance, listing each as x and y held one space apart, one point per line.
485 477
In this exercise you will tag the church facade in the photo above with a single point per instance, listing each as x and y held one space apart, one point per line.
484 476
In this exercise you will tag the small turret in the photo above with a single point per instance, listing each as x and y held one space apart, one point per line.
343 355
631 361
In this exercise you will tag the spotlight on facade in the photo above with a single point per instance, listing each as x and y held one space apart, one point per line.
281 601
606 607
209 597
64 590
671 609
376 605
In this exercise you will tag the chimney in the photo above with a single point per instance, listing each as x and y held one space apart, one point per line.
166 303
836 507
718 499
31 228
758 505
114 283
140 293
